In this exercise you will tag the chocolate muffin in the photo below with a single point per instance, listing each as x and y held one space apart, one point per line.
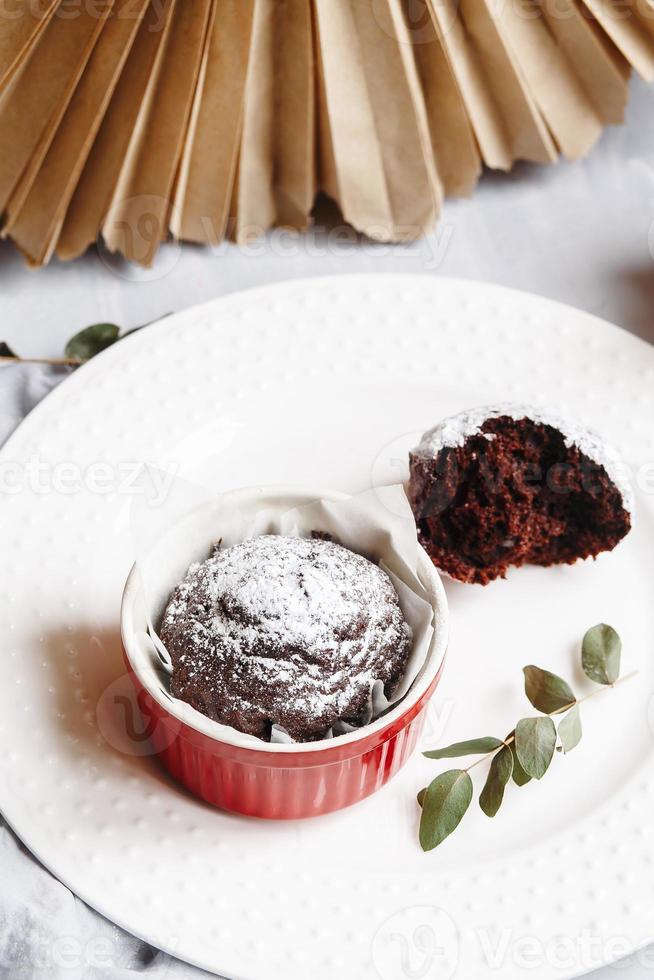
510 485
285 631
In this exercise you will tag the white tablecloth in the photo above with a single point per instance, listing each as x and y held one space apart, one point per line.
581 233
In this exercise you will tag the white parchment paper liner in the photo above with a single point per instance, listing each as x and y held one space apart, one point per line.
185 529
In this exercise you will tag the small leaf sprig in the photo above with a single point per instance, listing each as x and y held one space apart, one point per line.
527 752
80 348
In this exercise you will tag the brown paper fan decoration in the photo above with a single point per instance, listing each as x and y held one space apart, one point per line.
136 120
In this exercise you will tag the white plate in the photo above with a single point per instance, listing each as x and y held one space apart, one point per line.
329 382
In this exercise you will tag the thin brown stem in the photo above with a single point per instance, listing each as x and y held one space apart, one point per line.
566 707
485 758
608 687
559 711
56 361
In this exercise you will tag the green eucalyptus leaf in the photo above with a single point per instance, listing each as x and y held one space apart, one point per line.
535 742
476 746
90 341
600 654
444 806
546 691
499 775
5 350
570 731
520 777
421 796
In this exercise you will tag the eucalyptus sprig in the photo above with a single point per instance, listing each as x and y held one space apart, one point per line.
80 348
527 752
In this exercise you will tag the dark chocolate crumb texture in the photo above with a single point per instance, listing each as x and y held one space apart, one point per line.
504 486
285 631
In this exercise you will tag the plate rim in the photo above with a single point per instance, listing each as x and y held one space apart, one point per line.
449 282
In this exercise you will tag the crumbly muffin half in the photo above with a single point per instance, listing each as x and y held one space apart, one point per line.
509 485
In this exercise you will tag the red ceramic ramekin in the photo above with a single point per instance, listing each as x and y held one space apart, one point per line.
280 781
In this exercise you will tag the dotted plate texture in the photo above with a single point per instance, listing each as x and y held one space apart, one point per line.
328 383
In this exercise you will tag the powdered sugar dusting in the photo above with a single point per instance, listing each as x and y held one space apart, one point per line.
453 432
286 631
